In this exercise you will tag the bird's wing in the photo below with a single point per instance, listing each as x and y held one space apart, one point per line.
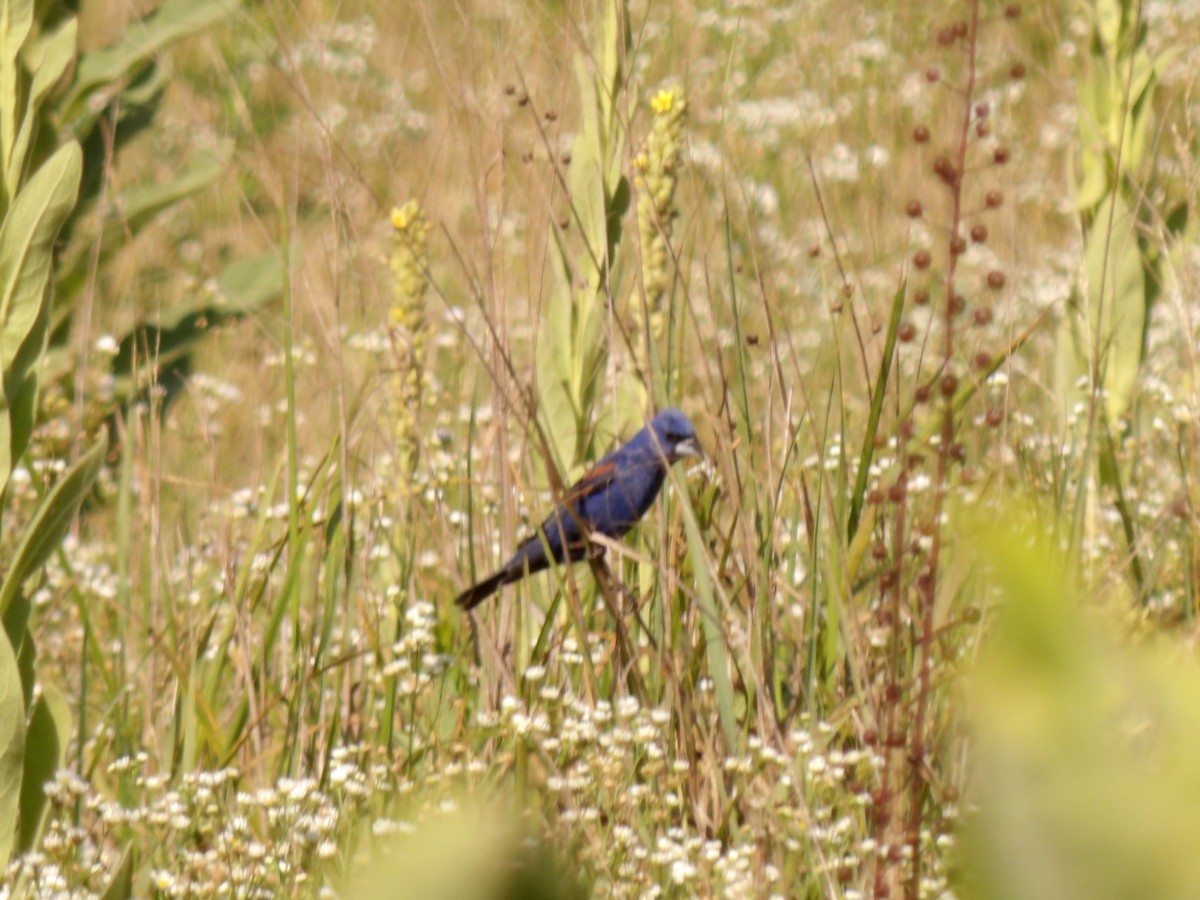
595 479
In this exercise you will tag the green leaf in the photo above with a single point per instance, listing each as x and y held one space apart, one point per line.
43 755
12 747
878 395
1116 303
16 19
716 650
120 886
174 20
53 518
26 258
1084 742
136 207
49 60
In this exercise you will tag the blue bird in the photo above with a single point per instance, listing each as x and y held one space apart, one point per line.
608 500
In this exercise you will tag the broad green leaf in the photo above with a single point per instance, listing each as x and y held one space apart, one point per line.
43 755
16 18
244 286
136 207
1084 742
49 525
48 61
12 747
26 256
1116 303
172 21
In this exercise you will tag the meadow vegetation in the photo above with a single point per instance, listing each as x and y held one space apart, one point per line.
341 295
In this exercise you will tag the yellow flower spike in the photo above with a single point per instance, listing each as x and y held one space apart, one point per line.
655 175
409 329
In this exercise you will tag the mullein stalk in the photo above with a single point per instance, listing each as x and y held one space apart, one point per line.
408 330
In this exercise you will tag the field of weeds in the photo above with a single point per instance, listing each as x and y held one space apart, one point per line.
310 311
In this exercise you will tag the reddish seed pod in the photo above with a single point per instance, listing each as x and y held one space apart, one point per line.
914 209
566 159
510 89
933 76
523 100
960 29
995 280
946 37
551 115
994 416
879 551
958 303
983 359
564 223
994 199
957 245
921 134
906 332
948 384
891 694
921 297
982 109
814 251
958 453
1012 11
887 580
979 233
896 493
944 169
875 496
1001 156
981 129
922 259
870 738
921 394
1017 72
907 429
880 441
847 290
982 315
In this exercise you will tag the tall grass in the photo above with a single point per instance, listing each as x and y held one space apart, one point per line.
837 237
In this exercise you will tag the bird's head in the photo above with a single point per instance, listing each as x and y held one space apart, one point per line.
673 433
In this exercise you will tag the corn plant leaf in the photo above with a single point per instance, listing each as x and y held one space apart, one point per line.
50 523
26 256
12 746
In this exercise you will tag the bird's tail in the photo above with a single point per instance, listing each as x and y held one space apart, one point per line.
476 594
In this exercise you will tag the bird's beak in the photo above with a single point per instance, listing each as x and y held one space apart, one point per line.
690 447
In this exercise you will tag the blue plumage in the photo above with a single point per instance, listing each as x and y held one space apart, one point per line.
610 499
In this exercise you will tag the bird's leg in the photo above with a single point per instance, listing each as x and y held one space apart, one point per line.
625 651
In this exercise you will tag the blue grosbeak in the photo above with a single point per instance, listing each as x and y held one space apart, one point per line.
608 500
